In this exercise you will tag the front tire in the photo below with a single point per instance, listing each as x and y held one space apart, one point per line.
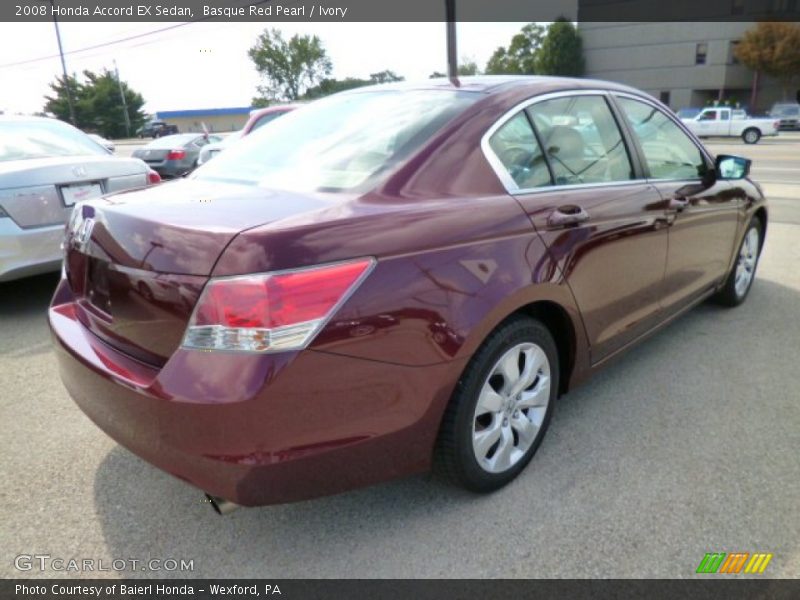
740 279
501 407
751 136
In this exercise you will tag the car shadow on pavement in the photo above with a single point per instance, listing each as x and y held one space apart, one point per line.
20 302
588 476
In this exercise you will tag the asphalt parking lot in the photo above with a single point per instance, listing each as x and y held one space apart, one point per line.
685 446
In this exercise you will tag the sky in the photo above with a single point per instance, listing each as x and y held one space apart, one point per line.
205 65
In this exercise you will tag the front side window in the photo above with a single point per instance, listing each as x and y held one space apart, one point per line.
344 142
709 115
516 147
668 151
581 140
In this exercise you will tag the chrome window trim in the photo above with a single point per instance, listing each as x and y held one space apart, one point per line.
505 178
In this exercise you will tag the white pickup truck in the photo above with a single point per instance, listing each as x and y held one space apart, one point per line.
725 122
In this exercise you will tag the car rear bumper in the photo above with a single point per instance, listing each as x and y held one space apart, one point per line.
25 252
170 168
257 429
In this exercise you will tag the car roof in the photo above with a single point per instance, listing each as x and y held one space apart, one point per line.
494 84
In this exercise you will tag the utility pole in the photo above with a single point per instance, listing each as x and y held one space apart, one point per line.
124 103
452 56
63 65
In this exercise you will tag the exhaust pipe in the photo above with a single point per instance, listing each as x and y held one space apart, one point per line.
220 505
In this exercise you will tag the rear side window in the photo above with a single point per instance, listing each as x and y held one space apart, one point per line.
581 139
516 147
668 151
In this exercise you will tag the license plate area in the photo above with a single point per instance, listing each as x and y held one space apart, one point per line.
79 192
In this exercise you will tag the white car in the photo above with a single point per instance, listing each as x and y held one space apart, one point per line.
46 168
718 121
209 151
107 144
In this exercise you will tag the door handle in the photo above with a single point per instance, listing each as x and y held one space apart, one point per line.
677 204
569 214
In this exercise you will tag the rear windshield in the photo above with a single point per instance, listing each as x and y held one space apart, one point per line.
340 143
21 140
170 141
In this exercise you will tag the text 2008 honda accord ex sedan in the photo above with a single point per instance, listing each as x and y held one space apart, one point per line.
391 278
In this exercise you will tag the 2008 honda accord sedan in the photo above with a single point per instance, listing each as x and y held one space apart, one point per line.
391 278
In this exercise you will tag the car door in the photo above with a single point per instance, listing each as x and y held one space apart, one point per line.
706 123
702 217
564 159
723 123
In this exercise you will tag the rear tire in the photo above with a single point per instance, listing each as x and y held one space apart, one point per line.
501 407
751 136
740 279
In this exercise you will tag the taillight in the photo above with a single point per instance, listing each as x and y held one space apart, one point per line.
176 155
153 177
272 312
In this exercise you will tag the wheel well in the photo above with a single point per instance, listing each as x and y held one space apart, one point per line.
556 319
761 213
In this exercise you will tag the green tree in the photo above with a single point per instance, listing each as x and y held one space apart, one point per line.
561 52
385 77
774 49
97 102
467 67
330 86
520 56
289 68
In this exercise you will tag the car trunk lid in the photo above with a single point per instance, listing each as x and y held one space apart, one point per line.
138 261
40 192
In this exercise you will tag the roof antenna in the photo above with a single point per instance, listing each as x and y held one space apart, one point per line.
452 60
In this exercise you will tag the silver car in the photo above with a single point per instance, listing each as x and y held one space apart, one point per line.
46 167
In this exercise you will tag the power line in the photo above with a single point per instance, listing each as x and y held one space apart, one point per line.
96 46
118 41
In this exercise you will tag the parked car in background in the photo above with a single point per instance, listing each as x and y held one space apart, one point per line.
258 118
726 122
157 129
688 113
46 168
107 144
788 115
174 155
392 274
209 151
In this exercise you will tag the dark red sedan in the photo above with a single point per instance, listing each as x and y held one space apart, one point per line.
392 277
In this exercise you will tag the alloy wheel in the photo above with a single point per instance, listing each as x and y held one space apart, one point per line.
746 262
511 407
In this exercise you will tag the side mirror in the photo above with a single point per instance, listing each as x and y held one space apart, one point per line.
732 167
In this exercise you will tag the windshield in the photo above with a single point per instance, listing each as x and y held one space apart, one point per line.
338 143
21 140
786 109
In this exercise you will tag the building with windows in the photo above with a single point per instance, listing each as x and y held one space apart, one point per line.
214 119
686 64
